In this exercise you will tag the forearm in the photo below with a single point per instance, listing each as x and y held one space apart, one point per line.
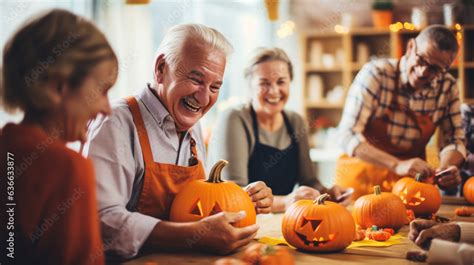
173 235
371 154
279 203
451 158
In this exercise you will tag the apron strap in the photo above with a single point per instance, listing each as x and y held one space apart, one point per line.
141 129
254 124
289 128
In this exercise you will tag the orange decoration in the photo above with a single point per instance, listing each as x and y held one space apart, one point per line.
379 235
262 254
382 209
201 198
423 198
318 226
464 211
468 190
389 230
272 9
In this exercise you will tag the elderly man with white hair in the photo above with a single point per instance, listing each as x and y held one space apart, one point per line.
151 146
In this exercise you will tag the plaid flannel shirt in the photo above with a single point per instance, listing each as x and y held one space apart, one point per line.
371 94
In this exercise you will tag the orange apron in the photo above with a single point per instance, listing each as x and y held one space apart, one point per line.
362 176
161 181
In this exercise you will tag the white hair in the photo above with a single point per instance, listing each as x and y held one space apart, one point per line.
176 37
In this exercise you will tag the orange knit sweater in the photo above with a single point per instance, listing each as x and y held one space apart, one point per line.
52 210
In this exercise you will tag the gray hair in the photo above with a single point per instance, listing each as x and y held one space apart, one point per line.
176 37
262 54
442 37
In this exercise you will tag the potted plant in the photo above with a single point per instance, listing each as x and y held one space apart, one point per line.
382 13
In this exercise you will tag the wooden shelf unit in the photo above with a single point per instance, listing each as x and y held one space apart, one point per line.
351 50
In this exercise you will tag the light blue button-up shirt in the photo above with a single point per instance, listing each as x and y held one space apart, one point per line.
115 150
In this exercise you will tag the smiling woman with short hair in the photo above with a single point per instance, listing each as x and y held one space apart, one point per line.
57 69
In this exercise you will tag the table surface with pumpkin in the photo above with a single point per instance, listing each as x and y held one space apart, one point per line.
270 226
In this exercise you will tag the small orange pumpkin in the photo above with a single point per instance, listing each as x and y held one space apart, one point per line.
201 198
423 198
379 235
468 190
464 211
382 209
318 226
262 254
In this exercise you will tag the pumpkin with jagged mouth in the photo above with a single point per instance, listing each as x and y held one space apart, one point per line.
418 195
202 198
318 226
308 233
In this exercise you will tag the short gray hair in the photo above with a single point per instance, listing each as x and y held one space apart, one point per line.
442 37
177 36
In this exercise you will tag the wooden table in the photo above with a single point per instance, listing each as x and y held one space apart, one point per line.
270 226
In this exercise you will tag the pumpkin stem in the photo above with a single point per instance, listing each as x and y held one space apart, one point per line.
419 177
322 198
377 190
215 175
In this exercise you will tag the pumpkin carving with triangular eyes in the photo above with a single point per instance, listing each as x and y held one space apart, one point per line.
318 226
202 198
423 198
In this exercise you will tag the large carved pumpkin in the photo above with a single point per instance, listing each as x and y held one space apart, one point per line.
318 226
382 209
423 198
201 198
468 190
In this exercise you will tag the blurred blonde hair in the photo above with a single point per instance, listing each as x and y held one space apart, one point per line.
57 45
262 54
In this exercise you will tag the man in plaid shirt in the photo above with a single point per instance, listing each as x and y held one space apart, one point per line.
392 110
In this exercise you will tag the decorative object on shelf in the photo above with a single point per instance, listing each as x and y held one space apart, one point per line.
449 15
347 20
316 88
423 198
328 60
272 9
318 226
383 209
316 53
419 18
201 198
382 13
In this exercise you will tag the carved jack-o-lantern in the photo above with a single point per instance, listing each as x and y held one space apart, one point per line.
423 198
318 226
201 198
